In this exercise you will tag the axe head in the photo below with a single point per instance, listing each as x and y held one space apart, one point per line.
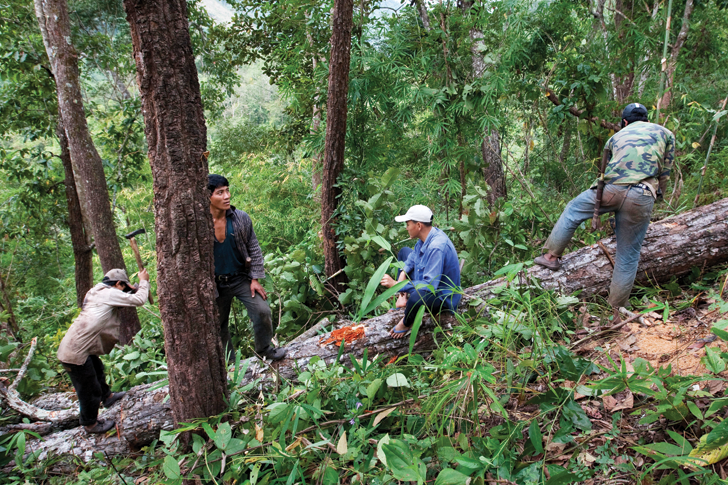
135 233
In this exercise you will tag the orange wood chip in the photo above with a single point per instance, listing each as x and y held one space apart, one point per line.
348 334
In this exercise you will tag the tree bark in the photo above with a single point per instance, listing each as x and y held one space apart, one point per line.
675 53
80 240
177 136
88 170
493 167
336 136
672 247
422 12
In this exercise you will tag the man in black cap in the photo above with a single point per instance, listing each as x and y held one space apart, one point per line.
642 155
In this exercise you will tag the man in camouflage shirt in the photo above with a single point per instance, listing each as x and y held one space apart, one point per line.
636 176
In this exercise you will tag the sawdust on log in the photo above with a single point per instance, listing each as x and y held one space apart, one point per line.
348 334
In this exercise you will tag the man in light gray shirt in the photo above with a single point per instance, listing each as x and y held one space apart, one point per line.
95 332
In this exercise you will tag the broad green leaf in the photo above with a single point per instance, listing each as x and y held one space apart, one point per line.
716 406
389 176
713 361
401 462
171 468
373 388
223 435
373 285
722 334
382 243
563 478
132 355
397 380
331 477
416 328
664 448
380 452
534 434
448 476
388 293
684 444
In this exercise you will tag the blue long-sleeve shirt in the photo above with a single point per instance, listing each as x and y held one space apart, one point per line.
435 262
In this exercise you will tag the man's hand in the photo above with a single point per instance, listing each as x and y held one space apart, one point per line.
255 286
144 275
387 281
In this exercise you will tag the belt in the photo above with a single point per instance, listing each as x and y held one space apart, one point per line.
224 278
642 186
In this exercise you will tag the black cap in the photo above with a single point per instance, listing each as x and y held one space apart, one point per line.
634 112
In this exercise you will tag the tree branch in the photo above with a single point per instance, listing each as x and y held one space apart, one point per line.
579 112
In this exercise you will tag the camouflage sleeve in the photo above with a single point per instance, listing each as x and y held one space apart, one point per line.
669 157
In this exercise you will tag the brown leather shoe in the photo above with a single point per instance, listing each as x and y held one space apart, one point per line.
553 264
101 426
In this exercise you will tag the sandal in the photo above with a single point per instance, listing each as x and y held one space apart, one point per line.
399 334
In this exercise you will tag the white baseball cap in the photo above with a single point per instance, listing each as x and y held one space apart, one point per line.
417 213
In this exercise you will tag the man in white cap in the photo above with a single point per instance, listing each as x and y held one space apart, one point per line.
95 332
432 268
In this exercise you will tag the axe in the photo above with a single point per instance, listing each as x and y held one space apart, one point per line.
135 248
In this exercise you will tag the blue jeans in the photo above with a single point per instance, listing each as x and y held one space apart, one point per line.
423 296
632 207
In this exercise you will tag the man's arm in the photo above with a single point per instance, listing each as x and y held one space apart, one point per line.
389 282
257 270
432 274
667 163
115 297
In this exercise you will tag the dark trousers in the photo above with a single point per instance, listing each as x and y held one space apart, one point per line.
422 296
258 311
89 382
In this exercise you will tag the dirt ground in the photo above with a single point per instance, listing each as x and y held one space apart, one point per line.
679 342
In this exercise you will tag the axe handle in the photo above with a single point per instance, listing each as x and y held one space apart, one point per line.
135 248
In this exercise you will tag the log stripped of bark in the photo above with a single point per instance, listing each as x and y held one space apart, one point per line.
671 248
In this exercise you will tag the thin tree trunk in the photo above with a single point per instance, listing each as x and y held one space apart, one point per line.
493 167
7 306
422 12
177 136
88 170
80 240
336 135
490 146
675 53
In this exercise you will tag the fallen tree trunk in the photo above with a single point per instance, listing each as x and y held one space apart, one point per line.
672 247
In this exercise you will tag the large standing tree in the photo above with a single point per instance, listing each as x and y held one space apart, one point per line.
87 166
177 138
335 134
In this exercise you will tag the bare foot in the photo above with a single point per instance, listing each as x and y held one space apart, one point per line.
401 300
399 330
